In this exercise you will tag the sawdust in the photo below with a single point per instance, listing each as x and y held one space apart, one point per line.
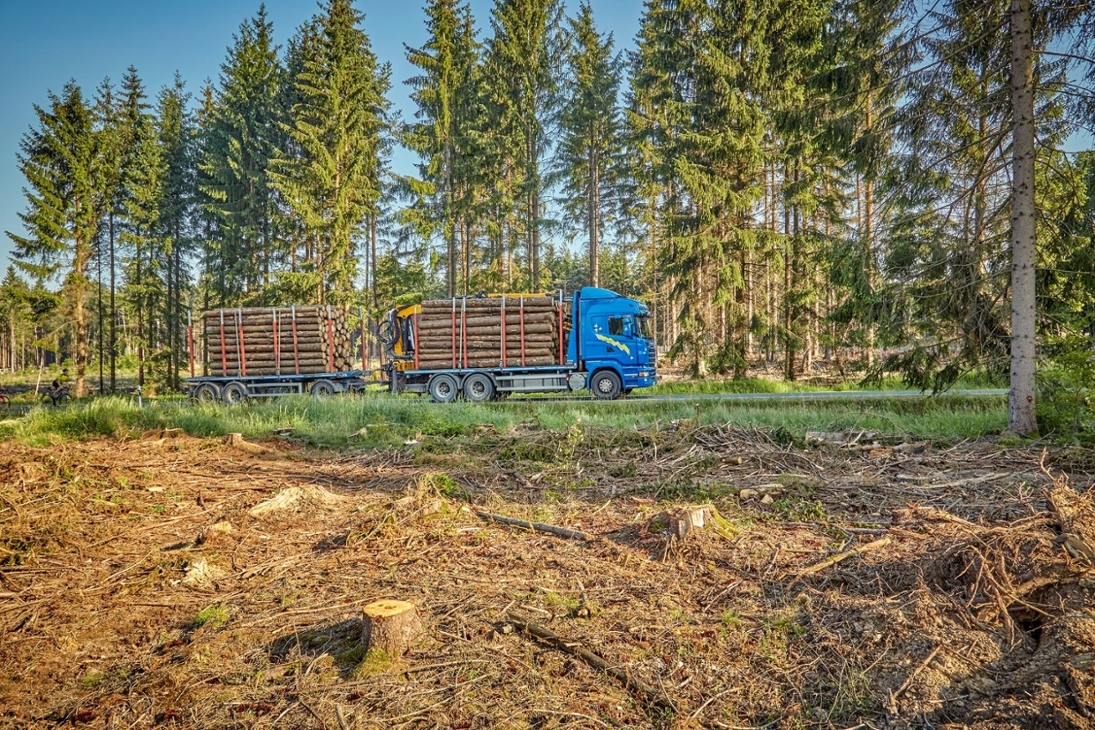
975 614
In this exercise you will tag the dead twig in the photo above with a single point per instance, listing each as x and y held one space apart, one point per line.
909 680
834 559
537 526
652 695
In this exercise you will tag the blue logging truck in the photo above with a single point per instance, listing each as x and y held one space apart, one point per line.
480 348
488 347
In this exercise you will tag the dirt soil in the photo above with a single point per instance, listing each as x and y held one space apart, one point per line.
179 582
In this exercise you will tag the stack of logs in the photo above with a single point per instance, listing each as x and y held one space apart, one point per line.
277 341
468 332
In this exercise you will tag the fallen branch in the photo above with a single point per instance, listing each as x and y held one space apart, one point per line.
653 696
909 680
834 559
538 526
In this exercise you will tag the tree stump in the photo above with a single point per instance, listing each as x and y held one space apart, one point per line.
390 626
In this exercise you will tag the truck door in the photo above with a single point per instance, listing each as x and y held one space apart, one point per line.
614 339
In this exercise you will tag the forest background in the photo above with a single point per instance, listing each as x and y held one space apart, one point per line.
782 182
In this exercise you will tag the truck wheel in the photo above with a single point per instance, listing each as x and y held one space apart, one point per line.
324 389
443 388
605 385
479 387
234 393
207 393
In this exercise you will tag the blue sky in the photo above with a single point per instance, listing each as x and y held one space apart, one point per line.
44 43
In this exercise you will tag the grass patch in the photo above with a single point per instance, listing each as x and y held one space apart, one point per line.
377 421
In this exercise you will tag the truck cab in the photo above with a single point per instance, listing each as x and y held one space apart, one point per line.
614 345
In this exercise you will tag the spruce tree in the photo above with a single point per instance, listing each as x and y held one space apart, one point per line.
523 86
444 93
58 159
331 174
589 158
241 134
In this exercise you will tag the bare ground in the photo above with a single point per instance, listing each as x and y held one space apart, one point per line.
908 585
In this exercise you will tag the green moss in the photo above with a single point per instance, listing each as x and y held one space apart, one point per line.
213 616
375 661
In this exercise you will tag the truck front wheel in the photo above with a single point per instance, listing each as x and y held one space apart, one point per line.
605 385
443 388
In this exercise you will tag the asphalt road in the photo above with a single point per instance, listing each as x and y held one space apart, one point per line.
850 395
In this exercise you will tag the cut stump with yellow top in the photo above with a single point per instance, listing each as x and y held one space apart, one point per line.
390 626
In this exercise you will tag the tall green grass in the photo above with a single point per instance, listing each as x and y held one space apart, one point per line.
374 421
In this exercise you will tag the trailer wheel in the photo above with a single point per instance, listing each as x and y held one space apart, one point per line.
207 393
324 389
443 388
234 393
479 387
605 385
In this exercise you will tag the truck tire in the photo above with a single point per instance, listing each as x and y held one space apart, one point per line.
479 387
443 388
207 393
605 385
234 393
324 388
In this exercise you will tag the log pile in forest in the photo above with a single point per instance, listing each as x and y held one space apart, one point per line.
277 341
468 332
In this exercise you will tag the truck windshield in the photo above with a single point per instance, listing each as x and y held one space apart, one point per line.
642 324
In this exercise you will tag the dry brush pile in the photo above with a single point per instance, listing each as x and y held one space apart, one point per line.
190 583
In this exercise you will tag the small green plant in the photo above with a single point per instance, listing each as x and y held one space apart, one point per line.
442 484
731 619
92 680
213 616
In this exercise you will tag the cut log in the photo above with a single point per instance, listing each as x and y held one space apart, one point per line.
390 626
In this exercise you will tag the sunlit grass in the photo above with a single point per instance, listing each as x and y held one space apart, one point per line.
373 421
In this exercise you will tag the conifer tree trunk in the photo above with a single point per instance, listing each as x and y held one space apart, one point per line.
1021 412
113 312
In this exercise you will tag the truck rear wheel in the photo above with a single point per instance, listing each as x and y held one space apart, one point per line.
234 393
443 388
479 387
605 385
207 393
324 388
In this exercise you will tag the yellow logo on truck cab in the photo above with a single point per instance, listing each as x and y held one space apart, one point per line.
614 343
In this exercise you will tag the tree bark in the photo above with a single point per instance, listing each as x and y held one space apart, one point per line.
1021 411
390 626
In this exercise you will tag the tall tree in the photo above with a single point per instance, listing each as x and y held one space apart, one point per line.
523 78
444 93
131 117
589 155
332 176
241 134
1024 256
175 239
58 159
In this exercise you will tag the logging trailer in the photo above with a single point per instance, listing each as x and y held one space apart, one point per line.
265 352
481 348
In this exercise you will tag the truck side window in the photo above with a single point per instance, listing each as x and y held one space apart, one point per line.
615 325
